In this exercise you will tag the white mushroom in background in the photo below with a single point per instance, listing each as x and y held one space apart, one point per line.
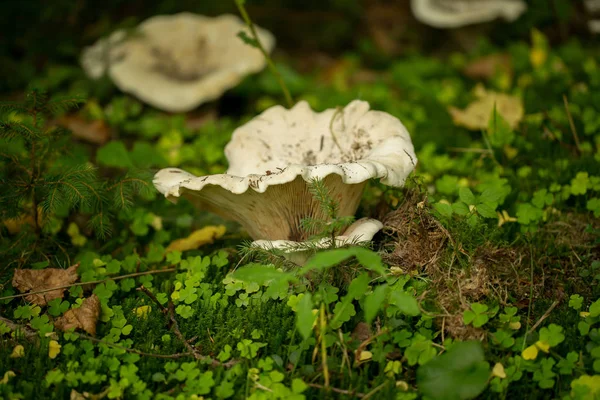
593 7
456 13
273 156
177 62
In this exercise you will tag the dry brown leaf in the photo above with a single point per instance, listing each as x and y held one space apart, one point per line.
486 67
197 119
198 238
477 114
389 26
15 225
84 317
97 131
34 280
361 332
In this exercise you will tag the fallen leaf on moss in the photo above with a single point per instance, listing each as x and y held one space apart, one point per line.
15 225
543 346
515 325
84 317
198 238
530 353
488 66
142 311
18 351
7 375
30 280
498 371
53 349
96 132
365 356
75 395
477 114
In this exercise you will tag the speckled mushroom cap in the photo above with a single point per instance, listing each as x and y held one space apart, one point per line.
457 13
273 156
176 62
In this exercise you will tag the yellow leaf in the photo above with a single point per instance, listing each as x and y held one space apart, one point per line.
510 152
76 238
515 325
198 238
7 375
53 349
402 385
143 311
18 352
539 49
477 114
543 346
530 353
504 218
584 314
365 355
498 371
538 57
157 223
314 312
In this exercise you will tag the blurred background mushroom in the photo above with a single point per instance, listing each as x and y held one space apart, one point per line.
470 16
593 9
457 13
177 62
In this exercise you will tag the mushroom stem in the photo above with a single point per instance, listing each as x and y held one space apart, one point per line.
258 44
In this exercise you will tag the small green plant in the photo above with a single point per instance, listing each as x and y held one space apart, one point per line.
254 41
43 178
332 224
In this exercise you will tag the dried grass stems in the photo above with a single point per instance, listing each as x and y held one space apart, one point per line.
422 245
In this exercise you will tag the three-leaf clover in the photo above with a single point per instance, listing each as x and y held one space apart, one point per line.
477 315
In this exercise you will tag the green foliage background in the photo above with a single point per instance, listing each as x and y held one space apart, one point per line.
516 274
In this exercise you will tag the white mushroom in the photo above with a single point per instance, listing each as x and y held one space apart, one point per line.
176 62
457 13
360 231
593 7
273 156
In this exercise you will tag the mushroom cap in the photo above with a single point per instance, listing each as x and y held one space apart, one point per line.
177 62
360 231
456 13
273 156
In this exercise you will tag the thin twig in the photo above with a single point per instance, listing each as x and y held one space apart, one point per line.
338 111
116 278
468 150
272 67
543 317
336 390
322 330
377 389
129 350
530 295
174 326
28 332
572 124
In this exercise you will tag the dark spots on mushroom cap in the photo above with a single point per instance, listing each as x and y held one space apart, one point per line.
265 144
175 172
